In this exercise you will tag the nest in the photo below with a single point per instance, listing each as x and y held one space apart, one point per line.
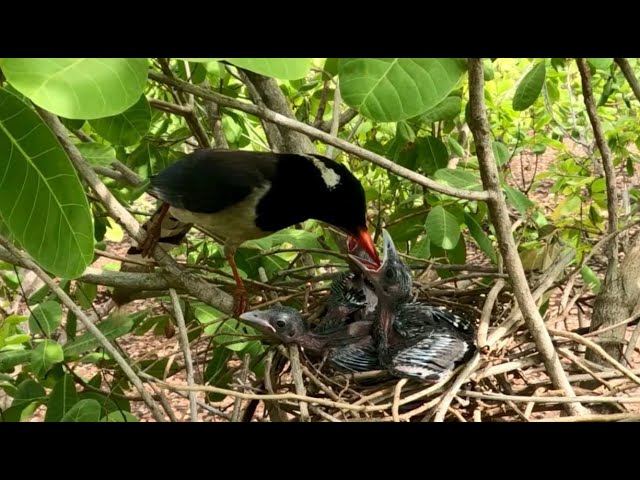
504 381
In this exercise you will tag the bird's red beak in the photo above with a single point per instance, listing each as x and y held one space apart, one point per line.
366 242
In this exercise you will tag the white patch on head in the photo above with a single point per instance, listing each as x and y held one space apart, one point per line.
329 175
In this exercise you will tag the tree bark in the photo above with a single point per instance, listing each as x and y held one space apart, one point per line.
612 303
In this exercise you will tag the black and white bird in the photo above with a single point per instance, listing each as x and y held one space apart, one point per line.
413 339
244 195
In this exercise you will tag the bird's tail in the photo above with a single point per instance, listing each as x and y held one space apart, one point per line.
172 232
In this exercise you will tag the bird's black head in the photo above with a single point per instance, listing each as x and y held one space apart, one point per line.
392 280
313 186
283 324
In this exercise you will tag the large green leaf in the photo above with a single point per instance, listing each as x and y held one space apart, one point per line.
217 372
500 153
394 89
79 88
119 416
97 154
458 178
62 398
517 199
87 410
46 355
600 63
530 87
297 238
28 396
421 248
443 228
127 128
42 202
12 358
481 238
432 154
447 109
45 318
283 68
114 327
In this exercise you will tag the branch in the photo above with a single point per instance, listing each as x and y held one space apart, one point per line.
607 163
335 122
274 137
345 118
627 71
500 218
77 311
282 120
194 285
186 350
274 100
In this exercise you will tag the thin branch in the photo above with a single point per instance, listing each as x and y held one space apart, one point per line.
550 399
263 112
627 71
607 163
298 381
599 350
483 327
77 311
186 351
335 123
453 391
500 218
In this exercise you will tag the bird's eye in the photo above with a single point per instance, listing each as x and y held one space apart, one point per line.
280 323
390 274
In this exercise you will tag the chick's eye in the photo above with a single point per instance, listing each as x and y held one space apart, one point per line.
390 274
280 323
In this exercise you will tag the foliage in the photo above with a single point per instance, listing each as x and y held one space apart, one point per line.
412 111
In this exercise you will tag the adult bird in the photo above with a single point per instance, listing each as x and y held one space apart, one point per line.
349 347
413 339
243 195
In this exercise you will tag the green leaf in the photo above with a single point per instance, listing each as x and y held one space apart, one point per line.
62 398
228 334
28 396
421 248
17 339
120 416
443 228
87 410
600 63
395 89
127 128
282 68
501 153
97 154
517 199
432 154
459 178
217 372
405 132
46 355
45 318
297 238
114 327
79 88
530 87
590 278
85 294
457 256
447 109
480 237
331 66
42 202
12 358
199 60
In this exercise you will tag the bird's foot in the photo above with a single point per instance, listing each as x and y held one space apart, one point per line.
239 301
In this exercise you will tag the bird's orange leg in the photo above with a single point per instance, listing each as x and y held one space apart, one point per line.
240 293
153 231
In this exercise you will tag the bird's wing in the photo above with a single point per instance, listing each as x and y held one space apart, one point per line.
430 357
208 181
414 319
355 357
